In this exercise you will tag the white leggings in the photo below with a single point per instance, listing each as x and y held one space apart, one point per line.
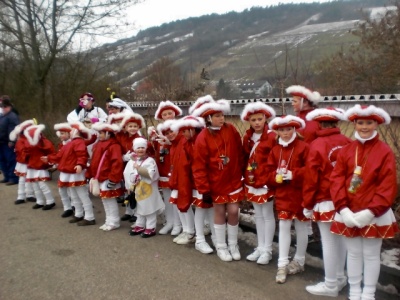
41 189
285 239
333 253
171 210
112 211
200 215
187 220
148 221
82 202
66 201
265 225
25 189
363 258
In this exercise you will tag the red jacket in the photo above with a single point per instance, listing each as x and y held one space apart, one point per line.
181 176
259 156
21 149
320 162
34 153
70 155
125 140
210 175
162 160
379 187
288 194
112 167
310 131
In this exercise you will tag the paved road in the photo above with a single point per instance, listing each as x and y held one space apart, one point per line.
42 256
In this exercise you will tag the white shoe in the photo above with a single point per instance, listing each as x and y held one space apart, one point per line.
186 239
176 230
341 282
320 289
203 247
294 267
234 250
180 236
167 228
224 254
264 258
281 275
254 256
207 230
102 226
110 227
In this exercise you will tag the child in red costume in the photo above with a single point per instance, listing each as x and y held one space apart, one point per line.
37 172
286 164
217 170
363 188
25 189
160 147
257 143
107 163
190 127
317 200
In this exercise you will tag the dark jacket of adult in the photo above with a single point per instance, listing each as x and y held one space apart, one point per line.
7 124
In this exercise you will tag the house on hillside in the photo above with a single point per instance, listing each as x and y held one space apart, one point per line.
254 89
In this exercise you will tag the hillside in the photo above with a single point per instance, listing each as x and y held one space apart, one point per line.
255 44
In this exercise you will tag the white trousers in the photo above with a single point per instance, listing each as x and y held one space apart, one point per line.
112 211
202 215
363 260
265 225
148 221
42 192
83 204
25 189
285 239
333 253
66 201
187 220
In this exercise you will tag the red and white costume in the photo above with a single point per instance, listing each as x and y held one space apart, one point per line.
364 215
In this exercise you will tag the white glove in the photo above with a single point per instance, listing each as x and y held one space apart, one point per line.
127 156
348 218
162 140
364 217
308 213
151 131
288 175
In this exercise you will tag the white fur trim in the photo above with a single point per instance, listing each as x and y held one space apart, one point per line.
62 127
105 127
167 105
118 116
250 108
199 102
217 106
188 121
138 119
165 126
33 132
280 121
337 113
19 128
119 103
367 111
314 97
150 130
81 128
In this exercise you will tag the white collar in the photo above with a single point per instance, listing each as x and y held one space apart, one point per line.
285 144
361 140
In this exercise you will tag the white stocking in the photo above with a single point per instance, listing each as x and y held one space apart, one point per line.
29 189
233 234
169 214
66 202
21 195
46 192
87 204
112 211
260 225
38 193
176 219
284 242
220 235
301 241
76 202
199 217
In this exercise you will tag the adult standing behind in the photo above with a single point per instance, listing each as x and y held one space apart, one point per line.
87 111
304 101
8 120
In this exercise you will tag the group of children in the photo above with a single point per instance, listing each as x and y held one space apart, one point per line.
200 161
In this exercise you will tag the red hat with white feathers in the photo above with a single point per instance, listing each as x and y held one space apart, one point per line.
210 108
20 128
33 132
132 118
286 121
368 112
303 92
329 114
84 132
165 105
255 108
188 122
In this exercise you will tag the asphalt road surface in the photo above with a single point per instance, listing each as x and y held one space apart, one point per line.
42 256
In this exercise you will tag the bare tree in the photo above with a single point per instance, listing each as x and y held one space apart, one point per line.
38 31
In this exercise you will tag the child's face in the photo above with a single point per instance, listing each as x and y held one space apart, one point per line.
102 135
132 128
64 136
187 133
365 128
285 133
140 152
168 114
217 119
257 122
171 135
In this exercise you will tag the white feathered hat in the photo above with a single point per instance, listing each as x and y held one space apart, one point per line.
19 128
165 105
329 114
132 117
199 102
255 108
33 132
303 92
211 108
62 127
163 127
188 122
369 112
106 127
286 121
82 129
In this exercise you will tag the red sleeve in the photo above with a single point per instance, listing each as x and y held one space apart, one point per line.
200 162
82 155
116 163
338 182
298 172
312 173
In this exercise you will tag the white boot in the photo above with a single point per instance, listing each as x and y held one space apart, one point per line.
232 241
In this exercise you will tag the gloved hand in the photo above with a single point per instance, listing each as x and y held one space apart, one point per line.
151 131
94 120
308 213
127 156
207 198
111 185
162 140
288 175
348 218
364 217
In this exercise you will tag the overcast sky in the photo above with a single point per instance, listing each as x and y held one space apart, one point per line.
156 12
